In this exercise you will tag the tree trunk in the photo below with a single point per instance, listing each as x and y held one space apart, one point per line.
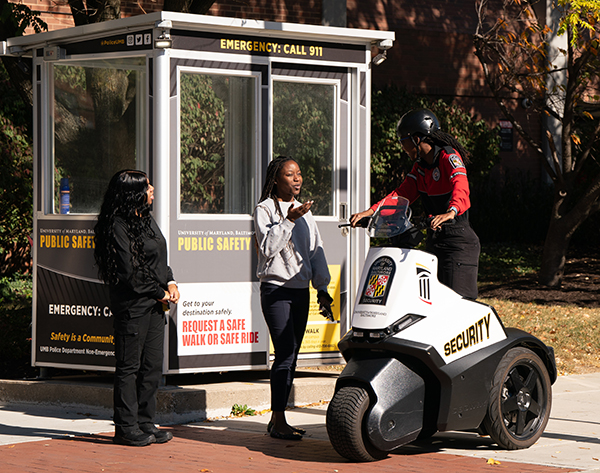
554 255
563 224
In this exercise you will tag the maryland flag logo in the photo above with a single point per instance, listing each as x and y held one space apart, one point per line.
379 281
376 286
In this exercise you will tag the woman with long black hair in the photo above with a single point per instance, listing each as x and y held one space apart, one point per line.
290 257
131 255
439 177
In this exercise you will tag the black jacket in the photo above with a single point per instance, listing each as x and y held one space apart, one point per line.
136 294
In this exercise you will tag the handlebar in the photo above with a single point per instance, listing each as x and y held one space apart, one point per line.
421 225
363 223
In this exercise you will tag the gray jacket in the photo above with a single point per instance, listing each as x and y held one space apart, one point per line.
290 253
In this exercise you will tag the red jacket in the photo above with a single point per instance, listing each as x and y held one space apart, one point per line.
442 185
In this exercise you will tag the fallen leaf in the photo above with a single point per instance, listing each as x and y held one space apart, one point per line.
491 461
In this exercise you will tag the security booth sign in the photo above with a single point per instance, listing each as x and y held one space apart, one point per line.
73 316
201 104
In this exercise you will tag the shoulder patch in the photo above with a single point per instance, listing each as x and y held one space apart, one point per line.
455 161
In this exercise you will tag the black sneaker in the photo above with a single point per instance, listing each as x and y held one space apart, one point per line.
134 438
161 436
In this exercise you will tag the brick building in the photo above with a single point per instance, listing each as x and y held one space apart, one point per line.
433 53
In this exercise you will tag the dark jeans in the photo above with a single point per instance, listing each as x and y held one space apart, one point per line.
457 249
139 357
286 312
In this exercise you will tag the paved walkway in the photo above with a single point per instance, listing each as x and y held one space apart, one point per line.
41 438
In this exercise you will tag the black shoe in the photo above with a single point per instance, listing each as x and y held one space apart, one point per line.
162 436
298 430
292 436
134 438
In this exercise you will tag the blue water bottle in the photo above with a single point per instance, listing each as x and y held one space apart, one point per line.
65 196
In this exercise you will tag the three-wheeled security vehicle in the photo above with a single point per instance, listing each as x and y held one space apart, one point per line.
422 359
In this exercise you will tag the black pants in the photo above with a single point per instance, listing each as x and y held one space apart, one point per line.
139 357
457 249
286 312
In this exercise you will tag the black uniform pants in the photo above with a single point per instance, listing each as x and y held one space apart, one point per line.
139 357
457 249
286 313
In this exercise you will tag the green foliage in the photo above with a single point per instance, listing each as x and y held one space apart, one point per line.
501 262
202 144
580 17
22 17
16 185
15 325
238 410
72 77
389 164
303 128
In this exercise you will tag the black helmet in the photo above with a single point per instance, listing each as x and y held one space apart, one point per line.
420 121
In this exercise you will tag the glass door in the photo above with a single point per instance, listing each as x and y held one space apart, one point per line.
310 123
216 154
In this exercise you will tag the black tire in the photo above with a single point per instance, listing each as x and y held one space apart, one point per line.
345 419
520 400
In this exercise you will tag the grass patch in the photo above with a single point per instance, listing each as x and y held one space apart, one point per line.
572 331
499 262
240 411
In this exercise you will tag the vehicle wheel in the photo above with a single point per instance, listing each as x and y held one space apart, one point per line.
345 419
520 400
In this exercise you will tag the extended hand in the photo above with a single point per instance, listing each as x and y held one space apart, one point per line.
297 212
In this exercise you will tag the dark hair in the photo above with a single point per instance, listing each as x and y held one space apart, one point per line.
125 198
270 188
441 139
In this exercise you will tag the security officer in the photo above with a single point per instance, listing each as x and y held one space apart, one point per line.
439 177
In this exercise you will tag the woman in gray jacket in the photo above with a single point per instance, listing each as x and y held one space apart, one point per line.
290 257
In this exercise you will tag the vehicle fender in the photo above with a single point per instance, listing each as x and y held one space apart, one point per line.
466 382
397 397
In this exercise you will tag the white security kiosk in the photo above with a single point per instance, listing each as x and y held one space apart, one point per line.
201 104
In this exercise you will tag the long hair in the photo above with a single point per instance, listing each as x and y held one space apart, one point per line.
125 198
270 188
441 138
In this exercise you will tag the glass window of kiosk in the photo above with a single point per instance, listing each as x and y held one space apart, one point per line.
304 128
217 143
99 127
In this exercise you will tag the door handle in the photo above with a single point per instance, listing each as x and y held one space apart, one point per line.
344 217
343 211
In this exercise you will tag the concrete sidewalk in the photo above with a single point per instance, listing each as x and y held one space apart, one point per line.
571 439
27 431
